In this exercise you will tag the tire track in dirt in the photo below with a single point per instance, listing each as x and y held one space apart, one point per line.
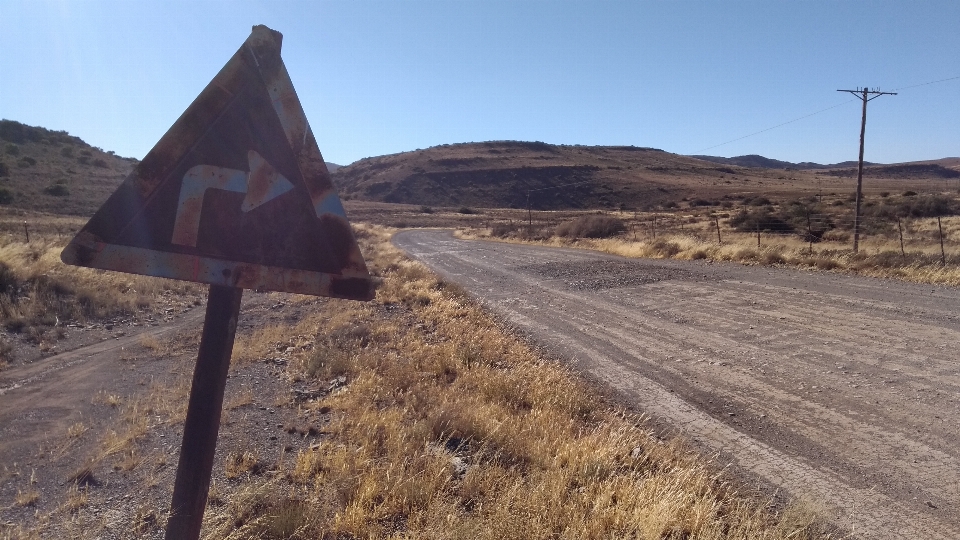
840 390
40 400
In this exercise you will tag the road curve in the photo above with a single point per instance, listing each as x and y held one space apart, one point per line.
843 391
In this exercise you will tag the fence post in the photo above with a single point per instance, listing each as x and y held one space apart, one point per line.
900 227
758 235
26 232
809 232
716 220
943 255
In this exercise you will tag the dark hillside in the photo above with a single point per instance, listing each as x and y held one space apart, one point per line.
905 171
52 171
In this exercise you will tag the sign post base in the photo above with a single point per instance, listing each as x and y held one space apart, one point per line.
203 414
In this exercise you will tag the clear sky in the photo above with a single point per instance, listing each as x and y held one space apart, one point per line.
380 77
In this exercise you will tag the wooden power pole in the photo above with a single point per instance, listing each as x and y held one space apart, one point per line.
865 95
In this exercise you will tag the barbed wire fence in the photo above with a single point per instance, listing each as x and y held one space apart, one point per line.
906 235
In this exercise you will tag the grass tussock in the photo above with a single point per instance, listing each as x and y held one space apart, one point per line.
450 427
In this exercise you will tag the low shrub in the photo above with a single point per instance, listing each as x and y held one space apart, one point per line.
591 227
665 248
772 257
762 219
466 210
57 190
503 230
835 235
757 201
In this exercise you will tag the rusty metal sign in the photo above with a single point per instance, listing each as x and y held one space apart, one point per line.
235 194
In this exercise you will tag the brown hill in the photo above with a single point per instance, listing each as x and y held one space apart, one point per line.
52 171
502 173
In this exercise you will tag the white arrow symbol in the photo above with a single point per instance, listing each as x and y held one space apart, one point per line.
261 184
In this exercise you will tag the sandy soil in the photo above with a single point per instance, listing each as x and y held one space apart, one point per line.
842 391
129 498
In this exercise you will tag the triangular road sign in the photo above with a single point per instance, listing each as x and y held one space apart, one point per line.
236 193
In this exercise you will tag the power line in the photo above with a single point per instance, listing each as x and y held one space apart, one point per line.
926 83
820 111
776 126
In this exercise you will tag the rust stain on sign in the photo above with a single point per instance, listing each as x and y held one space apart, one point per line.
236 193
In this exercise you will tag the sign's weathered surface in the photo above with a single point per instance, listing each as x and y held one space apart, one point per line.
236 194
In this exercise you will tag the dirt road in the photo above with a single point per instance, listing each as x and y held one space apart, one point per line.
842 391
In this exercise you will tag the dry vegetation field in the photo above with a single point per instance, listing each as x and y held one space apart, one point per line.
40 296
440 424
900 234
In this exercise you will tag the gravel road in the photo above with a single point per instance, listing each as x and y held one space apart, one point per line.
842 391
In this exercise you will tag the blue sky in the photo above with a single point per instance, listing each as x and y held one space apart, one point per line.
389 76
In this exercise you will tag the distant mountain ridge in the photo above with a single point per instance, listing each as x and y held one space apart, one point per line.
754 160
55 172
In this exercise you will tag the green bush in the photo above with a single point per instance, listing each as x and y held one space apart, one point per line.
4 170
591 227
466 210
25 162
6 196
66 151
12 149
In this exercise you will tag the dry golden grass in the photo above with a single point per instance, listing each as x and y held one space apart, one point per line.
39 292
449 427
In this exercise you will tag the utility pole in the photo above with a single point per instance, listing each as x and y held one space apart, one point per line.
864 94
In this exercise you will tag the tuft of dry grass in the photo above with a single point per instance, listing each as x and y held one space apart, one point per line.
448 426
77 498
28 497
76 430
242 463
